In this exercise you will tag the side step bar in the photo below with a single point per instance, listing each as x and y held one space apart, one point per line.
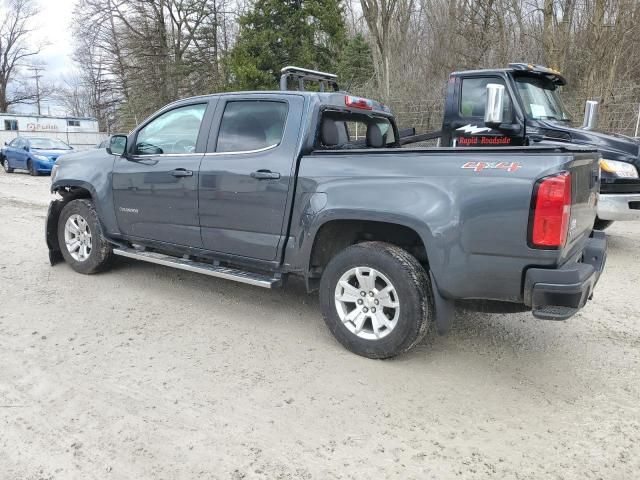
260 280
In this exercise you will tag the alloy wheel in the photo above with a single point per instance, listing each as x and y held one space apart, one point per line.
77 237
367 303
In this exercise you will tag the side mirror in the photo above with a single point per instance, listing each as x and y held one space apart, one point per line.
494 108
117 145
26 148
590 115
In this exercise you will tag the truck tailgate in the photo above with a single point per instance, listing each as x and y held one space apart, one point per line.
585 185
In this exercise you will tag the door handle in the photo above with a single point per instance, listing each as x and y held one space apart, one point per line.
265 175
181 172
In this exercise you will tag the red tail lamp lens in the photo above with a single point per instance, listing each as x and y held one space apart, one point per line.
552 211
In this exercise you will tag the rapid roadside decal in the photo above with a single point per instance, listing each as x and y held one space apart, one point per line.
484 140
480 166
476 139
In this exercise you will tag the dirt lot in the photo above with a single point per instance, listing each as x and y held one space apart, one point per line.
147 372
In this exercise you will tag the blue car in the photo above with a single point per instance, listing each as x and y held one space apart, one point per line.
38 155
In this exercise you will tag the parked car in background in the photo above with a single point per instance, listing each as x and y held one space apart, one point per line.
35 154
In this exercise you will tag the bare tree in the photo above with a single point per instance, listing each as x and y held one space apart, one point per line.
15 50
384 19
173 48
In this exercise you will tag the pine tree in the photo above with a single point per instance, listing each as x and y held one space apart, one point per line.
277 33
355 64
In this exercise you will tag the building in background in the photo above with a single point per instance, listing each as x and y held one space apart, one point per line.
78 132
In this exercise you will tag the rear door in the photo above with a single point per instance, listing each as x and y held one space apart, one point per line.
155 187
247 172
10 153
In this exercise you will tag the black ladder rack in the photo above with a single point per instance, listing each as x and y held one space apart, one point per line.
302 74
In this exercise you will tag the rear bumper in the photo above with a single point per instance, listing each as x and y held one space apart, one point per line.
619 206
557 294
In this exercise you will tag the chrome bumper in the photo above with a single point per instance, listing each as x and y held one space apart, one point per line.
617 206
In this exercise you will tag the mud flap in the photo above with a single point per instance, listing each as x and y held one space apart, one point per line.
445 309
51 231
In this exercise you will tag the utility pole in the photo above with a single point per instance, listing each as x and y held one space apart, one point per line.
37 69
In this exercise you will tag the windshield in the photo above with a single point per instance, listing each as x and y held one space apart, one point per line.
541 99
48 144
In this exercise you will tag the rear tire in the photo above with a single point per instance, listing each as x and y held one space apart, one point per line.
602 224
81 238
392 305
6 166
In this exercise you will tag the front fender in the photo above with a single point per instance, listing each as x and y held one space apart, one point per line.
91 171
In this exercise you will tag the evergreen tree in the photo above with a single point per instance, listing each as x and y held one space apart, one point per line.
277 33
355 65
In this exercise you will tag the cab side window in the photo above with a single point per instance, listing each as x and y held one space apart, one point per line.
173 132
251 125
474 97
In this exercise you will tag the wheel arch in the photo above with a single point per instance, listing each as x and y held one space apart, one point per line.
336 231
68 191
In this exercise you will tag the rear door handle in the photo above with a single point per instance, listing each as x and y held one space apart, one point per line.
181 172
265 175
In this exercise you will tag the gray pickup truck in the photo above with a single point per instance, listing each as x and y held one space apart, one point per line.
257 186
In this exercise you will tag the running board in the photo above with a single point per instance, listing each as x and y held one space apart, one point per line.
260 280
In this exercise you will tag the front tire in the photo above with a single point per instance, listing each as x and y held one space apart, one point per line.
6 166
33 171
376 299
81 239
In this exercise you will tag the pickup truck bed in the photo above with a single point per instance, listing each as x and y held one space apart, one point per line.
457 212
392 238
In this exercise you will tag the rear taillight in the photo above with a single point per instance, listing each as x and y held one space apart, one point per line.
551 211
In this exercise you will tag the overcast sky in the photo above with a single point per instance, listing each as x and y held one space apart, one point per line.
53 25
54 22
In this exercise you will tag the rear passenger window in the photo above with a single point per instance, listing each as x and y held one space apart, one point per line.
348 130
251 125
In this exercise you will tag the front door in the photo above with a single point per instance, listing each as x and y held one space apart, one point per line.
246 175
467 125
155 186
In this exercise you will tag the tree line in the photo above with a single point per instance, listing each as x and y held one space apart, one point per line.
134 56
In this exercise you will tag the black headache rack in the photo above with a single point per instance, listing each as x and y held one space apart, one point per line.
301 75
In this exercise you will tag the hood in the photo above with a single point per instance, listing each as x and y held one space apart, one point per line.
614 147
53 154
83 156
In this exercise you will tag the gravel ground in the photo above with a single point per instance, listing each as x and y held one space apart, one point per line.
147 372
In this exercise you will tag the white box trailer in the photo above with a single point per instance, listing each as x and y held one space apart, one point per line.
79 132
13 122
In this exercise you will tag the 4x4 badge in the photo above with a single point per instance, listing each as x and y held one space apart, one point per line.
480 166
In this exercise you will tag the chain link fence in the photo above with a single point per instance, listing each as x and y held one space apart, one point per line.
618 111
